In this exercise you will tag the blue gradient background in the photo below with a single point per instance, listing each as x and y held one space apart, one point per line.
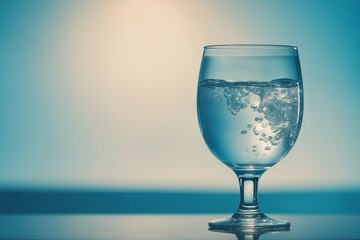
101 94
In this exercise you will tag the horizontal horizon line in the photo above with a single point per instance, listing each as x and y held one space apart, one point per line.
54 202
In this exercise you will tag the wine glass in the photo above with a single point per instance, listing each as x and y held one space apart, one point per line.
250 106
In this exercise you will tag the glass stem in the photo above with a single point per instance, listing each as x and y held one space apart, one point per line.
248 194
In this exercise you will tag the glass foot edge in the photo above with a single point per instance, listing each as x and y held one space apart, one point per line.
257 223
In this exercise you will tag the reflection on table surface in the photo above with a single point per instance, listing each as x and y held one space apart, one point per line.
166 226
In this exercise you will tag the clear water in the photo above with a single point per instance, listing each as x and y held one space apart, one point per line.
249 124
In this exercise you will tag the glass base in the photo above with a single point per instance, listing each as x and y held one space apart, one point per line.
243 235
253 222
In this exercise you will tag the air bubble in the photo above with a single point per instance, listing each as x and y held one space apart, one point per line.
233 112
256 132
258 119
253 106
243 132
267 148
273 142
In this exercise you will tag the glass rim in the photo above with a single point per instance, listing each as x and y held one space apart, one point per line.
250 50
252 46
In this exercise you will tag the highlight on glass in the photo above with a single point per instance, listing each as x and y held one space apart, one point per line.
250 107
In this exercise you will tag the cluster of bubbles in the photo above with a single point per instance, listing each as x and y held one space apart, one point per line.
276 104
236 98
260 131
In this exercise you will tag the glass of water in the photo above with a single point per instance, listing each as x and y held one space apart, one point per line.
250 107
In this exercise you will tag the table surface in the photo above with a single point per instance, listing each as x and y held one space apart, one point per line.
166 226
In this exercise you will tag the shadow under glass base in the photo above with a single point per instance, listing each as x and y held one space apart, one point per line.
250 222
